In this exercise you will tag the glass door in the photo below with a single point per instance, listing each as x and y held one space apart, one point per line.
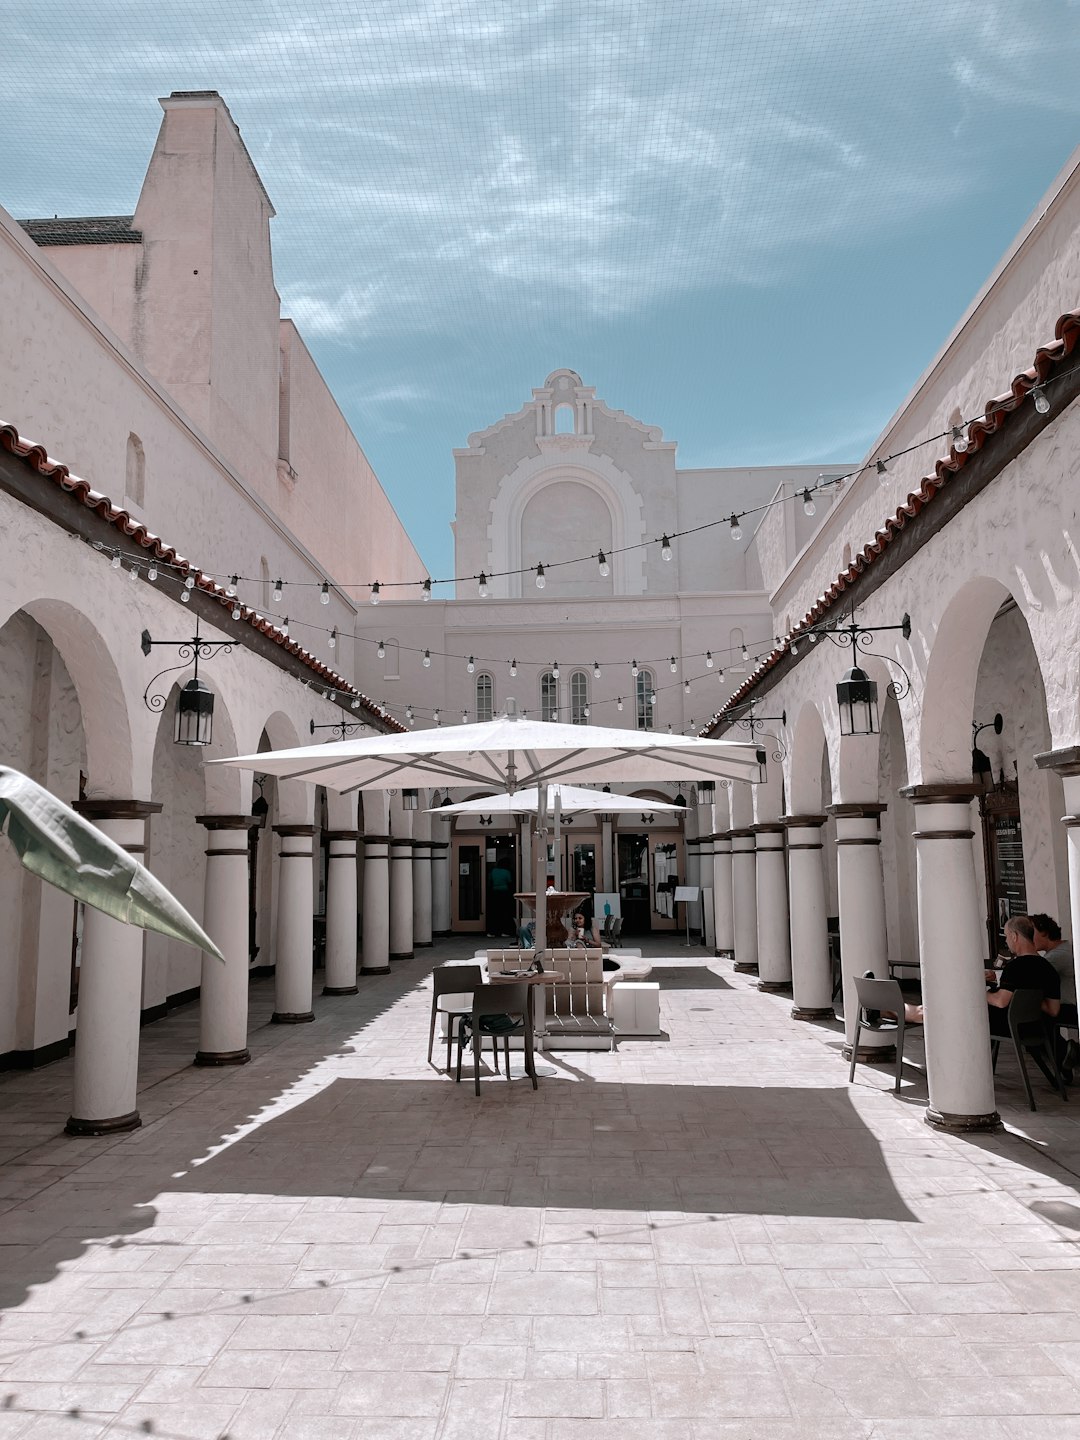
467 885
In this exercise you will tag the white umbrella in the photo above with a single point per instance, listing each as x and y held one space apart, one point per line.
568 799
510 752
59 846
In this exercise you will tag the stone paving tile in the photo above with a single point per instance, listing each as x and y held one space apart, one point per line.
711 1235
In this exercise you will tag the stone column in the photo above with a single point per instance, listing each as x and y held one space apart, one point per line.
811 969
341 907
952 939
422 886
705 876
440 876
110 992
223 995
774 949
375 947
860 888
1066 762
744 900
401 898
295 929
723 914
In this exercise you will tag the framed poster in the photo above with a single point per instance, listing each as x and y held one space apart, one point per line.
1003 845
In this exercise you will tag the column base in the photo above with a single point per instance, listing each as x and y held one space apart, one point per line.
288 1018
374 970
872 1054
222 1057
340 989
745 967
441 934
800 1012
423 944
114 1126
775 987
405 955
963 1124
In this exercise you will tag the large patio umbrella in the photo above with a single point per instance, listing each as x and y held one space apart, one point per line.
59 846
510 752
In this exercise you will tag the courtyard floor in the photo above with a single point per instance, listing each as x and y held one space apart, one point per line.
703 1236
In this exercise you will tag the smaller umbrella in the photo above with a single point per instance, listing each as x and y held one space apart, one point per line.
568 799
59 846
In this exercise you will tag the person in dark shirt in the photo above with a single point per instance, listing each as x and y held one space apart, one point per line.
1026 969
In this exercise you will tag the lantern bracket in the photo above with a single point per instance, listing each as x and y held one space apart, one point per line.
194 649
858 639
341 728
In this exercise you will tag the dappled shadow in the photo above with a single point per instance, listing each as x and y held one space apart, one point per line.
697 1148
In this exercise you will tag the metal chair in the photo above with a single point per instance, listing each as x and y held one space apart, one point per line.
499 1011
1033 1031
876 996
450 980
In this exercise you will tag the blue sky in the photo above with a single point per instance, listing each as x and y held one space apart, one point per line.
704 207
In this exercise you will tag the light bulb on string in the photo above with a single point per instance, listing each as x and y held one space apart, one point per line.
116 560
436 715
555 671
185 596
586 711
375 593
720 675
959 440
634 669
673 665
541 578
602 561
618 704
152 572
236 611
1041 399
809 508
794 648
277 590
708 660
745 653
426 660
133 573
355 702
324 593
409 714
464 717
189 582
736 528
686 687
482 585
652 697
470 665
425 591
380 649
333 638
284 626
665 548
230 589
596 670
513 668
882 473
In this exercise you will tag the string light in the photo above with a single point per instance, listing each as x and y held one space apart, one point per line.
355 702
882 473
333 638
541 578
596 670
794 648
471 665
665 548
380 650
189 582
745 653
464 717
375 593
634 669
482 587
324 593
409 714
277 590
114 563
426 661
425 590
809 508
708 660
513 668
736 528
673 665
133 573
686 687
959 440
236 611
284 626
618 704
436 716
720 675
152 572
555 671
1041 399
602 561
230 589
586 711
185 596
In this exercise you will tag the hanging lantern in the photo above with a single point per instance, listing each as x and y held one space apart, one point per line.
856 695
410 799
194 714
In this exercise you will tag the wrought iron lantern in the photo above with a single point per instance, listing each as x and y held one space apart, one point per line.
856 692
410 799
194 714
857 697
195 704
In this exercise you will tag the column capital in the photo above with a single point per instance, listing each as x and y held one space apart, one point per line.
376 839
746 833
95 809
945 792
865 810
230 822
440 844
287 830
342 834
1066 761
809 822
768 827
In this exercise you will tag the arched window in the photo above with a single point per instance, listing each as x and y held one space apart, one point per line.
135 477
485 697
579 698
646 700
264 582
735 649
549 696
564 420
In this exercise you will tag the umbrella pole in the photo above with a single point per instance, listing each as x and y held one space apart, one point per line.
540 870
560 881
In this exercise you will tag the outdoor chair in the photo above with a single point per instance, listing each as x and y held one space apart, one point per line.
499 1011
1033 1031
874 997
450 980
578 1017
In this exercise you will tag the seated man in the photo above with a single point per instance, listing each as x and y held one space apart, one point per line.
1059 952
1025 970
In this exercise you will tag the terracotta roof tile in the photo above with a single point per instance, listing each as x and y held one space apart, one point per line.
36 458
995 416
83 230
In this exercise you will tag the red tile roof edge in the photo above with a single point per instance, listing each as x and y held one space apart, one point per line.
36 458
994 418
